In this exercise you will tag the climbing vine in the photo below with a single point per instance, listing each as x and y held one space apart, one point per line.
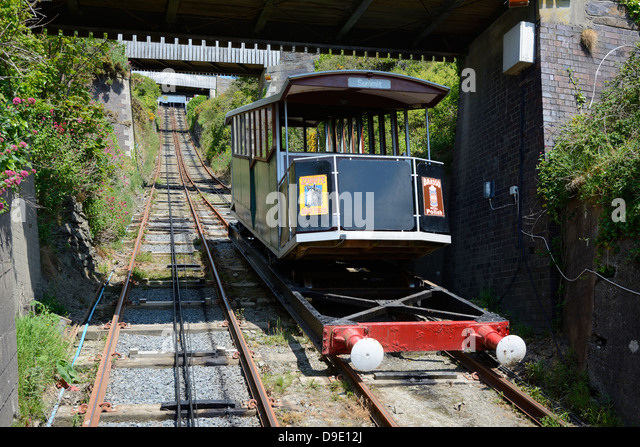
596 159
633 7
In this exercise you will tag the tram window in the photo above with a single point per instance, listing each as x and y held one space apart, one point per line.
234 135
296 139
368 133
243 149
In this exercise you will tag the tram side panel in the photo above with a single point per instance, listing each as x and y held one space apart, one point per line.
253 182
241 193
264 184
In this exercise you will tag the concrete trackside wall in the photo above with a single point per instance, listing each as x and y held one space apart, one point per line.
601 319
20 283
115 95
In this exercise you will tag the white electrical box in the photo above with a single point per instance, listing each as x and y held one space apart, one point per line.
518 48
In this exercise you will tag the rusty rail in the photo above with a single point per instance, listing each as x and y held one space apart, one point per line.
225 223
259 393
204 164
96 403
512 393
377 409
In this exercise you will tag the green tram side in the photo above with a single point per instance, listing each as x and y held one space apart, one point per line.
322 170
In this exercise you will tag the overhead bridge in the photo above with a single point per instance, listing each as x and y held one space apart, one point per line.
187 83
199 56
439 29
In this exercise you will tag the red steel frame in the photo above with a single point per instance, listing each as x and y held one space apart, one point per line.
416 336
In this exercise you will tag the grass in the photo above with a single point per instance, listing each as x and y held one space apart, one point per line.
277 334
144 256
41 347
278 383
564 382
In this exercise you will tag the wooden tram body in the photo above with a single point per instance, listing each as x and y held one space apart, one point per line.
342 136
322 172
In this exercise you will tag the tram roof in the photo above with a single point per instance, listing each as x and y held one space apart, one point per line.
347 91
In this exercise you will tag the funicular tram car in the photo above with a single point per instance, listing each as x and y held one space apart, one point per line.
322 171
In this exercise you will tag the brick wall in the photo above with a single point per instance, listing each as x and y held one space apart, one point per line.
504 127
561 49
499 139
600 320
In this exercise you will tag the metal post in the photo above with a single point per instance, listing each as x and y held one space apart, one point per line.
426 114
286 132
406 132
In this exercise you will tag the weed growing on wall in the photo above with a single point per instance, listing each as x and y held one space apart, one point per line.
633 7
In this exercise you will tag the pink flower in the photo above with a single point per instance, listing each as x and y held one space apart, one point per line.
31 101
23 144
16 101
34 131
33 171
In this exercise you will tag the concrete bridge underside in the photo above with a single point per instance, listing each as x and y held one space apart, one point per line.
431 29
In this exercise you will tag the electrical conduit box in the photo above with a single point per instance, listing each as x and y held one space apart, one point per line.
518 46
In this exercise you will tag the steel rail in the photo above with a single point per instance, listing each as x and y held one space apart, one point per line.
224 221
512 393
179 338
259 393
96 403
189 141
377 409
203 163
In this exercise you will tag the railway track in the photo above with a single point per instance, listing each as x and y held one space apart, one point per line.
480 369
172 326
174 353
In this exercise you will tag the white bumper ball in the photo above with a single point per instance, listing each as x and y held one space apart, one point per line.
511 350
367 354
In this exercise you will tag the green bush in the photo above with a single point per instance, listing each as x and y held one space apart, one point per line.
209 114
596 159
51 127
565 383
